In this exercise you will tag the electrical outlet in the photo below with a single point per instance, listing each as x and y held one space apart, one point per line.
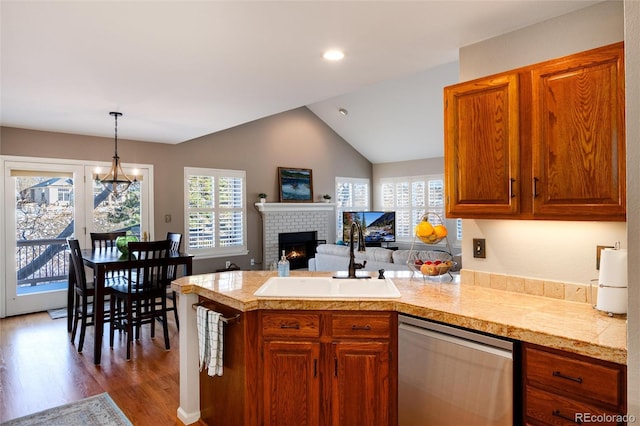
253 262
599 253
227 264
479 248
167 218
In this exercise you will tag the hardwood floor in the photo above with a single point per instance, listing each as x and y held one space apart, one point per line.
40 368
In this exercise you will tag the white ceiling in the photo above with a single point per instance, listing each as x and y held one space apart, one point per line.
183 69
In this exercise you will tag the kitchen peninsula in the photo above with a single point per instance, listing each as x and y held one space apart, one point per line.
575 328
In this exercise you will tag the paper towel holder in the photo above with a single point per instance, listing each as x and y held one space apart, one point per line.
612 283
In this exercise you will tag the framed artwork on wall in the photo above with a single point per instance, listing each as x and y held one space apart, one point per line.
296 185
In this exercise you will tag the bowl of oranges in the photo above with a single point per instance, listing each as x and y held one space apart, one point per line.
428 232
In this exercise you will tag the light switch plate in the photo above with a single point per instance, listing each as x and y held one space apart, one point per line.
479 248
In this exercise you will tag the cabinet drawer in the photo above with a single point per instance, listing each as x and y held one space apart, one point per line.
290 325
554 409
369 326
574 376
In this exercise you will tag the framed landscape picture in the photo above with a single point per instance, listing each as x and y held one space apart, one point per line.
296 185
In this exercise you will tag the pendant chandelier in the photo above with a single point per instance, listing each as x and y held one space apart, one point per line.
116 181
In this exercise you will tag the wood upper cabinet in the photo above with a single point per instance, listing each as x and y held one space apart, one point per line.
482 147
545 141
579 136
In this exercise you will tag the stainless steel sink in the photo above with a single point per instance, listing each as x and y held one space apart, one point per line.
328 287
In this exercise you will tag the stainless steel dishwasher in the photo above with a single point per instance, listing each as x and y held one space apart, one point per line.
449 376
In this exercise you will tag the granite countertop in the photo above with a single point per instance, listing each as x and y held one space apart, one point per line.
570 326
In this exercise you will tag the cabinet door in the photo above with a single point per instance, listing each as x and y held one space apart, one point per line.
291 383
578 136
360 389
482 153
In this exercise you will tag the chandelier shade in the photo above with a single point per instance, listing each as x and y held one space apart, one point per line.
116 180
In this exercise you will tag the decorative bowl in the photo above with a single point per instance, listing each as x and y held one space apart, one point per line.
122 243
431 263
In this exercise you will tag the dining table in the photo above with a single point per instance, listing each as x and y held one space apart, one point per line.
103 262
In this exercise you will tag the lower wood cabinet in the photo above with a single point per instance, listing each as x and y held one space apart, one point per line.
561 388
328 368
304 368
291 390
360 383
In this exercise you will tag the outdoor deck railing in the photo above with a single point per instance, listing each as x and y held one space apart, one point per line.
41 261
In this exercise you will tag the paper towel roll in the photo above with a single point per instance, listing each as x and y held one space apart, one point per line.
612 300
613 268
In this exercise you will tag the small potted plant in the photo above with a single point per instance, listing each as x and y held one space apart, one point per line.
263 197
327 198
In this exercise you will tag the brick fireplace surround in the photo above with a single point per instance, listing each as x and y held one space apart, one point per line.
292 217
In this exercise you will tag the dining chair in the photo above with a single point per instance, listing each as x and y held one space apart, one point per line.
144 295
83 294
104 240
84 289
175 239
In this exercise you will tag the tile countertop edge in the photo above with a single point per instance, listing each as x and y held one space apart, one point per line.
243 300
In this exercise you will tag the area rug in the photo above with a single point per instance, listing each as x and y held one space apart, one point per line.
95 410
62 312
57 313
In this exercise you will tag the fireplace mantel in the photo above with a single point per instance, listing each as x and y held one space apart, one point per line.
294 207
292 217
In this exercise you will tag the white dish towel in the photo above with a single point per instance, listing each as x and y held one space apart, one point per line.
209 324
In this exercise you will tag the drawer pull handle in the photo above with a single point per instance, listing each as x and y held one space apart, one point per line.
294 326
557 413
361 327
562 376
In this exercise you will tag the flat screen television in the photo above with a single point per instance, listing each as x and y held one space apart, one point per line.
378 227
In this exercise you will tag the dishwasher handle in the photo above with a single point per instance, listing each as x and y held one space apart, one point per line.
483 347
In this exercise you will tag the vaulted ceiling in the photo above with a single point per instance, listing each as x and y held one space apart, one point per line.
183 69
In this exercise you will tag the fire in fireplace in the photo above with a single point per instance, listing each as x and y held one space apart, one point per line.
298 247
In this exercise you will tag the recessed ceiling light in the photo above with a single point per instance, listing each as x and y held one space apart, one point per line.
343 111
333 55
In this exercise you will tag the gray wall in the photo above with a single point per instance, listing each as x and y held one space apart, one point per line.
295 138
632 70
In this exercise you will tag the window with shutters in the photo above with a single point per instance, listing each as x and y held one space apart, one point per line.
215 212
413 197
351 194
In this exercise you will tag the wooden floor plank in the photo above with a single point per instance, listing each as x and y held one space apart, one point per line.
40 368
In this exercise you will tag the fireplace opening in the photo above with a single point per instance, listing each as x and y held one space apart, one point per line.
298 247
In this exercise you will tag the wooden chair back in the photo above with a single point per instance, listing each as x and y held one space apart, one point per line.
78 265
105 240
149 268
175 240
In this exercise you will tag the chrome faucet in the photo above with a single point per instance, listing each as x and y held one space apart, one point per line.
355 226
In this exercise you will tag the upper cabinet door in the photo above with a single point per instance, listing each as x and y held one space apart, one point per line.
482 154
578 136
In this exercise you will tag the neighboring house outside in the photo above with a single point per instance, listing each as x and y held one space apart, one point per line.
51 191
